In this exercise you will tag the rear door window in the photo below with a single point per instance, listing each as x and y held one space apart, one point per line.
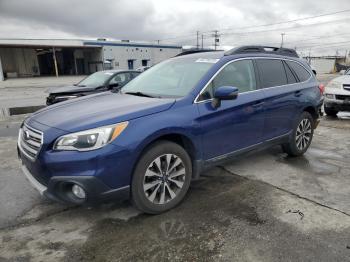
290 76
299 70
272 72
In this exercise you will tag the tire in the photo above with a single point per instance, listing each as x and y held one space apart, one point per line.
330 112
155 188
301 136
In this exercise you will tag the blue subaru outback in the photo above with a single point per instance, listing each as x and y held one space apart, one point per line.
148 141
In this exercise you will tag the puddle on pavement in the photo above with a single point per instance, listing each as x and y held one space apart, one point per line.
13 111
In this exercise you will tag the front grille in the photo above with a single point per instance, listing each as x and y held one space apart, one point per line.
346 87
30 141
342 97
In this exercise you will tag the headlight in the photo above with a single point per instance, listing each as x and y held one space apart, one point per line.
330 96
90 139
334 84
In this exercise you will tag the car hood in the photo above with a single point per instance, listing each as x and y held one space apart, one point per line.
345 79
98 110
70 89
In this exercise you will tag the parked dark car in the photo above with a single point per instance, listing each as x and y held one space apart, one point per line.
95 83
165 127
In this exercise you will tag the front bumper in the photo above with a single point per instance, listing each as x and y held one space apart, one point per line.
59 189
338 105
103 174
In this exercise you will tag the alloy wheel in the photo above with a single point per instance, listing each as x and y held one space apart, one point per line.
303 134
164 178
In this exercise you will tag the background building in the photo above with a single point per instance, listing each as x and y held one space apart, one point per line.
45 57
328 64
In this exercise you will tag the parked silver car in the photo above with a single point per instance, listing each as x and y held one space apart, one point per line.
337 95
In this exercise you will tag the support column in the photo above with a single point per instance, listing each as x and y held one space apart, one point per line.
55 60
1 72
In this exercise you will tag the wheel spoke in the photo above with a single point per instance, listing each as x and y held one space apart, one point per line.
168 161
176 164
150 173
299 129
162 194
299 143
154 193
150 185
179 184
158 164
304 123
171 192
180 172
308 125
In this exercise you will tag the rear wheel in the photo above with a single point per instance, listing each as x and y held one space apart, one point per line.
301 137
330 112
161 178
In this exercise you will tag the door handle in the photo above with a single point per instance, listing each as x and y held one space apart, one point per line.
258 104
297 93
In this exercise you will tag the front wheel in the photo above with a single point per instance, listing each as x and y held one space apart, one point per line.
301 137
161 178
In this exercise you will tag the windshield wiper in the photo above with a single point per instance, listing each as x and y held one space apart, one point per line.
139 94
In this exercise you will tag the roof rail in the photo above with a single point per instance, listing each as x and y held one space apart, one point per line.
262 49
195 51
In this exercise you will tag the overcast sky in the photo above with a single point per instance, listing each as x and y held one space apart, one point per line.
176 22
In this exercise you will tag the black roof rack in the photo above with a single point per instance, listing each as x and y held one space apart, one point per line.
195 51
262 49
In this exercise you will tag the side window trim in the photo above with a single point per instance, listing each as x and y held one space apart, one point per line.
293 73
257 75
310 75
257 87
195 101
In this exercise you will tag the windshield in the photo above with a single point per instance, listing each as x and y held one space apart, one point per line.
171 78
347 72
96 79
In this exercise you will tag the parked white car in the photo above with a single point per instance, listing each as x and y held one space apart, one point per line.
337 95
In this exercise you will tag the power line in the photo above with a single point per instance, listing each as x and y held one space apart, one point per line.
286 28
289 21
264 25
334 43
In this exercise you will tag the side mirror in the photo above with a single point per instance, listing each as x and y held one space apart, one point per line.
224 93
113 86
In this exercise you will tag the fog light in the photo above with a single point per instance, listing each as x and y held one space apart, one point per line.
330 96
78 191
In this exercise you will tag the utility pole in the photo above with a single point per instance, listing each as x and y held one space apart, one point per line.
310 55
202 41
197 40
54 60
282 39
216 38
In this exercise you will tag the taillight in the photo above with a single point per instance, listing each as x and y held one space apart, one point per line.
321 87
